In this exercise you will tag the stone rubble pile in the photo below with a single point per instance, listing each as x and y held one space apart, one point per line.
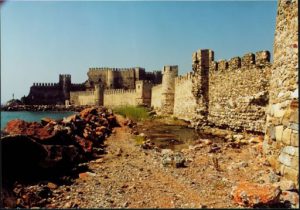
31 149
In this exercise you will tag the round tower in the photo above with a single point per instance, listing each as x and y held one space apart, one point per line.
168 88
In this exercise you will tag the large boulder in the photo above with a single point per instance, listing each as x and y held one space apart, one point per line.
254 195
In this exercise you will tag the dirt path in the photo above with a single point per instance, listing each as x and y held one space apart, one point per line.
129 176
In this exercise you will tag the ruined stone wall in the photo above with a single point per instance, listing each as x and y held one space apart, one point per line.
156 96
184 100
281 141
119 97
238 92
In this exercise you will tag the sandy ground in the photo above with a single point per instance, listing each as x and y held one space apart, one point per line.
129 176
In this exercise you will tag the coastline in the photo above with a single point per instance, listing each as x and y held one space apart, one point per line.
39 108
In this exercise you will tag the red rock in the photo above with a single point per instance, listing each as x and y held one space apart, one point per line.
85 144
32 129
84 113
252 194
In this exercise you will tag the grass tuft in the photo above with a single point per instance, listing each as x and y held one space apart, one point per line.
139 140
134 113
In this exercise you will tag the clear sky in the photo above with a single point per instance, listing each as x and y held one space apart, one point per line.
40 40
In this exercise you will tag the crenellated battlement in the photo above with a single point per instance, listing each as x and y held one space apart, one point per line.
183 78
249 60
118 91
170 69
95 69
44 84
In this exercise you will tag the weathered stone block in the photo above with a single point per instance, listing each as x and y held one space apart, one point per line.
294 118
278 132
295 139
291 174
294 126
295 163
290 150
286 136
285 159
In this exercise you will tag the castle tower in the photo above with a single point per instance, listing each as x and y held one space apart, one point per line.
201 62
65 84
110 79
143 91
99 94
168 88
281 136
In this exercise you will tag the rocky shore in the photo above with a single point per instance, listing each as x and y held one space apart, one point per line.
77 169
50 150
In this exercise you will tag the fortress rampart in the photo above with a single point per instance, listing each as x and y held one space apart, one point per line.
52 93
281 143
184 100
238 92
121 78
141 95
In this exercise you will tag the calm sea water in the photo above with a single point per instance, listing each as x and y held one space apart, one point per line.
31 116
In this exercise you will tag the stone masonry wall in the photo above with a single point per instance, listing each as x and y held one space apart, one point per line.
184 100
82 98
281 141
156 96
238 92
119 97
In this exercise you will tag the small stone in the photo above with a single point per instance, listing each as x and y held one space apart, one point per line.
238 137
290 197
273 177
68 205
52 185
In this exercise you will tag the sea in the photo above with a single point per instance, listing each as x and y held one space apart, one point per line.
32 116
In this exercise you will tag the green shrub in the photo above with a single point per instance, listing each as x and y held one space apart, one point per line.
134 113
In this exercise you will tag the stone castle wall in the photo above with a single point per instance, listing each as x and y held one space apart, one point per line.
184 100
141 95
82 97
228 94
119 97
281 143
52 93
156 96
238 92
121 78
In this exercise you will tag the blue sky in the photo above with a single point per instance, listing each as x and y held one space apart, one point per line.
40 40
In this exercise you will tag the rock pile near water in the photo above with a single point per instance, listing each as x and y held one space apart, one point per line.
31 150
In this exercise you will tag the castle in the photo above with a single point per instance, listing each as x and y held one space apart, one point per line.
115 83
52 93
245 93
